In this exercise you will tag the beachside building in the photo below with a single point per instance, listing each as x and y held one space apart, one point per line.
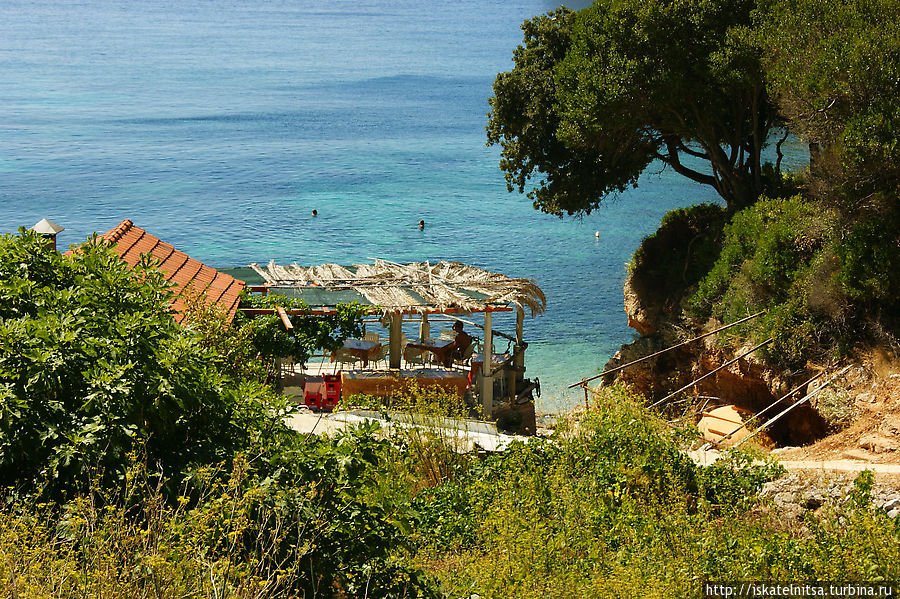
420 295
190 276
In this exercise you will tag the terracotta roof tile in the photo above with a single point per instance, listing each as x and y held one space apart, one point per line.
162 251
174 262
125 240
145 245
189 275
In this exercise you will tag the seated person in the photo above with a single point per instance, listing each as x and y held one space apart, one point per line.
459 345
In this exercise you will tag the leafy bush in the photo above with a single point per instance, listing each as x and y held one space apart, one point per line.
730 483
674 258
92 365
297 521
267 336
611 508
869 256
775 256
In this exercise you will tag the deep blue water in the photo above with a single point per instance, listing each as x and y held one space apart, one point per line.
218 126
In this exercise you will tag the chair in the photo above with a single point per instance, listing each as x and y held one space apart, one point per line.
448 334
463 360
381 355
372 337
414 355
343 356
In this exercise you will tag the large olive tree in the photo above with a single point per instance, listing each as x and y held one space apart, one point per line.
597 95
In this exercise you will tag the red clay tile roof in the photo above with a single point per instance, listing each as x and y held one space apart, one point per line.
131 242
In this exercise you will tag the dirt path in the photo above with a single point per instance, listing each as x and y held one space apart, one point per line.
840 466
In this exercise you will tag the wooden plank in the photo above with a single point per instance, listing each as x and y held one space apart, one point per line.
373 310
284 318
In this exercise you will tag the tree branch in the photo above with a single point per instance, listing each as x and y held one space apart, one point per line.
673 160
683 148
778 150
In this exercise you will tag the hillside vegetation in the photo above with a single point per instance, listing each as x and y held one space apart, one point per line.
709 89
142 458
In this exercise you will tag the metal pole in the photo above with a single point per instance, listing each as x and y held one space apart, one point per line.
769 407
662 351
791 407
487 379
712 372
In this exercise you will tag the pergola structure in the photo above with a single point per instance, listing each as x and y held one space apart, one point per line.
421 288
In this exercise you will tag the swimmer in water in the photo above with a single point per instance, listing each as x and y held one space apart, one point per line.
421 224
315 213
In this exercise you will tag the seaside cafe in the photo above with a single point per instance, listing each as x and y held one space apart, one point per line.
418 294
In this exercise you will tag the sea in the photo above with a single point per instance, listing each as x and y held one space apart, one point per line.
219 125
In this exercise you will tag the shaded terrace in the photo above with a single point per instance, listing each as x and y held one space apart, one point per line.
420 292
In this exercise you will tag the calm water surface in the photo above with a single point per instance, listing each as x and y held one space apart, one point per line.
219 126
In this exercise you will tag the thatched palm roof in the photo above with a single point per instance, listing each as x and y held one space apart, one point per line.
417 287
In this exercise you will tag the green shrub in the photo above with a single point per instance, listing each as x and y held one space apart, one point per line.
675 257
774 257
296 521
730 483
610 507
92 365
268 338
869 256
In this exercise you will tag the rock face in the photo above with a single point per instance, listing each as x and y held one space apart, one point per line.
642 317
664 273
795 494
747 383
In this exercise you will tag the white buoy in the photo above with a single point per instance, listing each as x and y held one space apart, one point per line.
597 234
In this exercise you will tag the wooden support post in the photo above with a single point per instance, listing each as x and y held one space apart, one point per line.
424 328
518 351
396 339
487 378
511 378
520 329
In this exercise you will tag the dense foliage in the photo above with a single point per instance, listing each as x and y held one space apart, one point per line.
670 262
611 508
835 68
778 256
302 518
165 454
597 95
92 366
270 340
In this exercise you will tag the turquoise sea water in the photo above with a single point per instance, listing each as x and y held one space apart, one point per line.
219 125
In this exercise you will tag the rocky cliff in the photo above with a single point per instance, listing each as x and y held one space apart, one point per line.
748 383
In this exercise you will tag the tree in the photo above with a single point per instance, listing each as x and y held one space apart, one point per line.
94 367
834 67
597 95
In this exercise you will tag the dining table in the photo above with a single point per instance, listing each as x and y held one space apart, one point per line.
439 347
362 349
497 361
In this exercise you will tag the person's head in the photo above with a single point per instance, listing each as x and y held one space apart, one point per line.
315 212
458 326
421 224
